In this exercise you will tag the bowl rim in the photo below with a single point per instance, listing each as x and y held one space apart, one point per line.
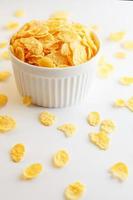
55 68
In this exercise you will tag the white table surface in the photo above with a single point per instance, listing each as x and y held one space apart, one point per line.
88 164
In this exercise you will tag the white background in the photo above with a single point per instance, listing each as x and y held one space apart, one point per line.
88 164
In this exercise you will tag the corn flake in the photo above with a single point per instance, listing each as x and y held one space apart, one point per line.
32 171
75 191
129 104
68 129
27 100
120 103
61 158
19 13
17 152
120 55
3 44
5 55
126 80
117 36
100 139
60 15
119 171
19 53
12 25
93 118
46 62
6 123
107 126
105 70
128 45
47 118
4 75
3 100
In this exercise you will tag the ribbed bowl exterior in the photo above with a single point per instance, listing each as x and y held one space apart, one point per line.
54 88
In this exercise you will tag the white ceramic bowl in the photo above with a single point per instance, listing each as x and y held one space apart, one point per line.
54 87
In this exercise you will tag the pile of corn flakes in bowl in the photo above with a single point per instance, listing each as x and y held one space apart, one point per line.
41 46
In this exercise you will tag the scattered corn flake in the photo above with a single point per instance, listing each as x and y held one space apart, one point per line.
47 118
107 126
17 152
12 25
105 70
5 55
117 36
60 15
27 100
75 191
32 171
129 104
120 55
128 45
68 129
6 123
3 100
3 44
126 80
100 139
61 158
19 13
4 75
119 103
119 171
93 118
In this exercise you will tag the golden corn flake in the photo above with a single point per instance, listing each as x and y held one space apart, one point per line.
75 191
60 15
12 25
61 158
126 80
3 44
55 42
117 36
100 139
119 171
128 45
120 103
107 126
120 55
32 171
47 118
46 62
5 55
129 104
19 13
68 129
65 50
6 123
27 100
3 100
93 118
105 70
17 152
4 75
